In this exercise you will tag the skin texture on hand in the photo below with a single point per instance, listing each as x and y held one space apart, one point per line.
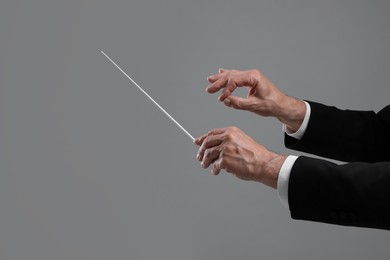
263 98
232 150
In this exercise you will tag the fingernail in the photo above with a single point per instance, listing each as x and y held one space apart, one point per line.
198 156
227 102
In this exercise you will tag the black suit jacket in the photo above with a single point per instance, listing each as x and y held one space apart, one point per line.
353 194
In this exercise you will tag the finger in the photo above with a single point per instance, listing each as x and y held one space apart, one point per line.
217 131
217 166
252 91
213 78
244 79
238 102
217 85
210 155
209 142
199 140
231 85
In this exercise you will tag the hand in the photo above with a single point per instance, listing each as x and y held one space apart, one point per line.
263 98
232 150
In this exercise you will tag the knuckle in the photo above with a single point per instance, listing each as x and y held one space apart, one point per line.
202 150
222 163
237 104
206 141
255 75
222 152
228 137
229 81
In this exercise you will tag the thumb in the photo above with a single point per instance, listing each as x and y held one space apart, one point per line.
238 102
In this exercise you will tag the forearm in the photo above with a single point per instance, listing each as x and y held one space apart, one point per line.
344 135
354 194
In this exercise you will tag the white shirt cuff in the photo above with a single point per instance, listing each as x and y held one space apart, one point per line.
283 179
301 131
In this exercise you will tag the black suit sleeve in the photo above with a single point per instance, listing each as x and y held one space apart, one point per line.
354 194
345 135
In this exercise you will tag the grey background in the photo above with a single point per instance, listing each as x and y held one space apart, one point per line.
91 169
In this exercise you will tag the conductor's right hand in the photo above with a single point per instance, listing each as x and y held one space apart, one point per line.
263 98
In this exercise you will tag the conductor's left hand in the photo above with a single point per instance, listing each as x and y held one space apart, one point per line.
232 150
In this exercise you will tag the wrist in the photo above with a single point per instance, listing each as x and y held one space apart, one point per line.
271 170
291 112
